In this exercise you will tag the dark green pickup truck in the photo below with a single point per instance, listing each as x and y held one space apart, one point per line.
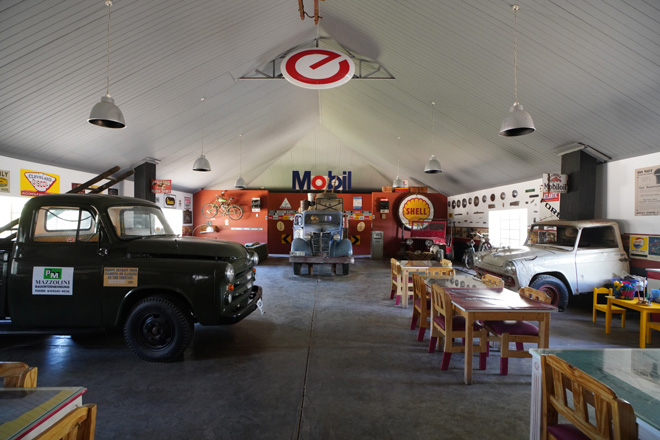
83 261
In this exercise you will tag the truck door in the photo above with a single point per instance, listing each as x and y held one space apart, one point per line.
56 276
598 258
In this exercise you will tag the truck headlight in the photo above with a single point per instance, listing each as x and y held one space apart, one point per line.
229 273
428 243
409 242
255 258
308 236
336 237
477 258
509 267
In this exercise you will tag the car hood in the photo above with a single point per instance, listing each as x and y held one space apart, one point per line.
499 257
188 246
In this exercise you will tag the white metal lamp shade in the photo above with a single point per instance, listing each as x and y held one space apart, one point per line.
398 183
433 166
518 123
106 114
202 164
240 183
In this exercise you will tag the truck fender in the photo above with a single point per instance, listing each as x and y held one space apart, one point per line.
342 248
139 293
300 244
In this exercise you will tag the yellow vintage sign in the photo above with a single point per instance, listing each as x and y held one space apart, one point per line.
120 277
35 183
415 208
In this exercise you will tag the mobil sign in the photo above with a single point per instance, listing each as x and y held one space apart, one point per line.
307 182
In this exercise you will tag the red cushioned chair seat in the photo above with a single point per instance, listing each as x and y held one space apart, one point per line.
566 432
458 323
513 327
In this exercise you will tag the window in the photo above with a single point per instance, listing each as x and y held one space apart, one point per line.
138 221
507 228
601 237
65 225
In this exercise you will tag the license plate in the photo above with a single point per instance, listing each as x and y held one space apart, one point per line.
260 304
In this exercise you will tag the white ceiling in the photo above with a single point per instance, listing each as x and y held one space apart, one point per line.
588 71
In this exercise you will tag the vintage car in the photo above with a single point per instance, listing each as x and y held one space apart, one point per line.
560 256
428 240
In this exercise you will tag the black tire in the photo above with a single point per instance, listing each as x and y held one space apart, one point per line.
235 212
296 268
157 330
554 287
210 210
345 267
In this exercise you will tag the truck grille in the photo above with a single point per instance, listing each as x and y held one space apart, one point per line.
321 244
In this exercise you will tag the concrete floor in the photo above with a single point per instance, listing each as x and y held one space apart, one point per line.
332 358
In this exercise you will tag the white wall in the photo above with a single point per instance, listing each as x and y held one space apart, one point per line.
615 186
615 198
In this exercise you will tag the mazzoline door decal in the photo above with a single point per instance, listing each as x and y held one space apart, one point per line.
415 208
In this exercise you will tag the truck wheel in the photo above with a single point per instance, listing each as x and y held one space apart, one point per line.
296 268
345 267
554 287
157 330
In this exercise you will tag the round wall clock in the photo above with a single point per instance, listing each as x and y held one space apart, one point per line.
476 201
502 195
514 193
453 204
464 203
492 197
470 201
484 198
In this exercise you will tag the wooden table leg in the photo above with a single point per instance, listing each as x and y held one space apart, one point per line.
469 322
406 286
608 316
544 331
643 324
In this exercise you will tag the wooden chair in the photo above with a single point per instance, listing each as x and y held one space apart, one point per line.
397 282
78 424
603 307
652 325
446 263
445 325
518 332
421 310
609 418
18 374
440 272
492 280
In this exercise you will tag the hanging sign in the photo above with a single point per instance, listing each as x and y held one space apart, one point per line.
415 208
161 186
317 68
555 183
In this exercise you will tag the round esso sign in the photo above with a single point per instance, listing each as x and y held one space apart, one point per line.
415 208
317 68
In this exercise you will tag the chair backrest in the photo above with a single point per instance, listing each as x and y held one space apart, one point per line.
419 290
393 264
492 280
528 292
446 263
79 424
601 291
441 303
441 271
611 417
18 374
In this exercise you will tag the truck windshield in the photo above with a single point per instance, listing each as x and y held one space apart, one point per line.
131 222
555 235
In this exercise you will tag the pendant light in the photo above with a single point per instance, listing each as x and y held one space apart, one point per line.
397 183
106 113
240 182
202 163
432 166
519 122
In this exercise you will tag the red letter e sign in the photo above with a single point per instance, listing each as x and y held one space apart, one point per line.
317 68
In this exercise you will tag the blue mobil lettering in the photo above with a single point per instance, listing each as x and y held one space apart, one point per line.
307 182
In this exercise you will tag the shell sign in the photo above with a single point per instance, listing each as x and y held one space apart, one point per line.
415 208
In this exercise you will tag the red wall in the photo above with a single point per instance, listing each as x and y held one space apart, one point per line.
274 211
254 220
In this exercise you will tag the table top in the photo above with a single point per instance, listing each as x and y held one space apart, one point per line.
495 299
632 373
420 263
654 307
22 409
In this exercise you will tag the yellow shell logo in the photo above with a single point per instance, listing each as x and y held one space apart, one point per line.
416 208
3 181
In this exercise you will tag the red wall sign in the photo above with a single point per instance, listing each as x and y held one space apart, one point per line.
317 68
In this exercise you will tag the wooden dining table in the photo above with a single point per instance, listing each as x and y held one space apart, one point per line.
27 412
496 304
408 267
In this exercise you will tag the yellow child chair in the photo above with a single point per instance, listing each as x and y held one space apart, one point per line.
603 307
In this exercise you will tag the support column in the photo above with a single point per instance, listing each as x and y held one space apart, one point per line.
579 203
144 174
